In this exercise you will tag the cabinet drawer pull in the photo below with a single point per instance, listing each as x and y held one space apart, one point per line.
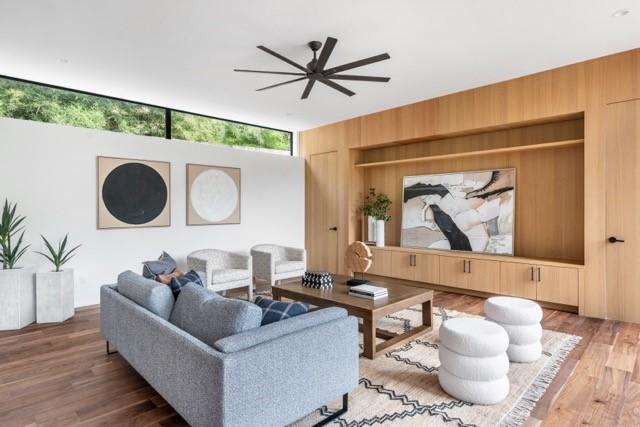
539 276
532 279
464 265
469 269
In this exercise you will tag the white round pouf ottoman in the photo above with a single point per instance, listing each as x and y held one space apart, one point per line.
473 362
520 318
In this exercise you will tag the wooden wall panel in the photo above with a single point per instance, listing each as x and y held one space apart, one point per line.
583 88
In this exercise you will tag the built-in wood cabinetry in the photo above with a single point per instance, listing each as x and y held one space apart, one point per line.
546 281
571 134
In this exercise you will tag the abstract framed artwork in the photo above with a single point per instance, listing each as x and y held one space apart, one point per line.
213 195
463 211
133 193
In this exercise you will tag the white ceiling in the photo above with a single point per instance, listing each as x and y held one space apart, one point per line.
181 54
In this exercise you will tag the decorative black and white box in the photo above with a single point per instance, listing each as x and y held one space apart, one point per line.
317 280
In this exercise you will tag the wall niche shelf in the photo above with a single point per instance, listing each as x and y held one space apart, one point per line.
501 150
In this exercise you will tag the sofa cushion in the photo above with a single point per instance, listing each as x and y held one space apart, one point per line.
273 311
154 296
209 317
229 275
164 265
287 266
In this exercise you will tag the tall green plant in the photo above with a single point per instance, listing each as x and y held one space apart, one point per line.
60 255
377 205
10 226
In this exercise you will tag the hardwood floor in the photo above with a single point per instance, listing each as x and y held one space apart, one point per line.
59 375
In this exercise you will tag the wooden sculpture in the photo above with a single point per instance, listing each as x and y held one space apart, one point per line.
359 260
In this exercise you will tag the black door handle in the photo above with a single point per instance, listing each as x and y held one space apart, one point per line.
333 228
614 239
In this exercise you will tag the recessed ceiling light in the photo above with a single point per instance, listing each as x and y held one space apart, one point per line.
620 12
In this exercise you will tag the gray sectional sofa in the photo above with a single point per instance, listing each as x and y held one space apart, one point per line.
232 373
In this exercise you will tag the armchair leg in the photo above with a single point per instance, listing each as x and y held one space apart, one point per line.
337 414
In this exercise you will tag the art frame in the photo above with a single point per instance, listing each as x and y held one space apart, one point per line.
210 196
153 189
509 175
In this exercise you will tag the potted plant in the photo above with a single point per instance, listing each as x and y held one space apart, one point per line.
17 288
377 205
54 289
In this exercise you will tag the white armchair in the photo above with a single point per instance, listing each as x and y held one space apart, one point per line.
223 270
272 263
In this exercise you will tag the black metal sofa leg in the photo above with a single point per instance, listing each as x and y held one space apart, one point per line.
337 414
109 351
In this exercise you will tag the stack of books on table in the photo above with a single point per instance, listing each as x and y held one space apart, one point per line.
368 291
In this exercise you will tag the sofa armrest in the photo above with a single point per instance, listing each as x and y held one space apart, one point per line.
253 337
289 377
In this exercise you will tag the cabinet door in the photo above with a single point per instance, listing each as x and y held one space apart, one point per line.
402 266
428 268
381 265
518 280
484 275
558 284
452 272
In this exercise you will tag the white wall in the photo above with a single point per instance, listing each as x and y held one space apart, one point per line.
50 171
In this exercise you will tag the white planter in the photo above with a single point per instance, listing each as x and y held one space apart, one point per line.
371 229
380 232
17 298
54 293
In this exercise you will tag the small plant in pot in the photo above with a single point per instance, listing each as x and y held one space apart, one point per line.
17 288
377 205
54 289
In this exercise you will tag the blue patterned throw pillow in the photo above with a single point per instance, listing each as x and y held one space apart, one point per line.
177 283
273 311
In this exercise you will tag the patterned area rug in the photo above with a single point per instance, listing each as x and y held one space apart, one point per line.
400 388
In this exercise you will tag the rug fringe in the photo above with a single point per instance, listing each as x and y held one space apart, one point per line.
522 410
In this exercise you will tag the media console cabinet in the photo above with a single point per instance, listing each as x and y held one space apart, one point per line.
546 281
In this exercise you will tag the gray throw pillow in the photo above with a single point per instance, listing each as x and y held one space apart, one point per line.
210 317
152 295
164 265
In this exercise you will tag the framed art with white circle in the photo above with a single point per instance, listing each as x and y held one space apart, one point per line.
213 195
133 193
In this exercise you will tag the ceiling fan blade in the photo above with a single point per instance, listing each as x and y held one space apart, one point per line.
283 83
271 72
282 58
307 88
325 53
360 78
357 64
336 86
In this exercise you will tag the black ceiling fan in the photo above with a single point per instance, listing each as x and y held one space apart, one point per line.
315 70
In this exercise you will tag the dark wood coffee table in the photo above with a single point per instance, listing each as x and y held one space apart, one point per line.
400 297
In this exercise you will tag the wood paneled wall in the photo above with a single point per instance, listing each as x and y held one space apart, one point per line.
584 88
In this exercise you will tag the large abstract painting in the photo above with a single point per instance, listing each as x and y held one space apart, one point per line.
463 211
213 195
133 193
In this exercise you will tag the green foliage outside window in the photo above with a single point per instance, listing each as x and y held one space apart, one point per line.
191 127
29 101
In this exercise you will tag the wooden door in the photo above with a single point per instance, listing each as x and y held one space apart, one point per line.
453 272
623 211
557 284
402 265
428 267
381 265
484 275
323 212
518 280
